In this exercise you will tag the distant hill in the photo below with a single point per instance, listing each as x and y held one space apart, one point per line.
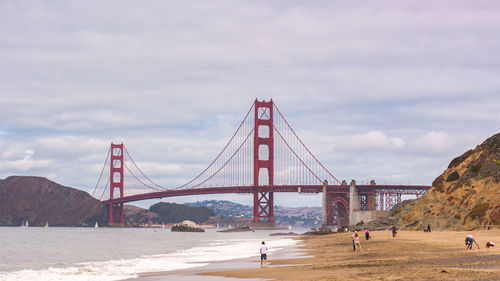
225 208
465 196
137 216
39 200
298 217
174 213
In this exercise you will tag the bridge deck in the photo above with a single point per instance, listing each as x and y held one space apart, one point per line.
401 189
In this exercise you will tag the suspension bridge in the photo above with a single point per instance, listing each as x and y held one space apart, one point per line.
263 157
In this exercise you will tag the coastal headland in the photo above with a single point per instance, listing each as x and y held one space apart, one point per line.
412 255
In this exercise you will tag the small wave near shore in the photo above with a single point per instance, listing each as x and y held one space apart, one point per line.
218 249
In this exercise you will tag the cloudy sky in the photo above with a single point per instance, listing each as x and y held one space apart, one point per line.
384 90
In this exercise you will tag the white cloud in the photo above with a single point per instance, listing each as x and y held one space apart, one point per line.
396 79
24 164
371 141
433 142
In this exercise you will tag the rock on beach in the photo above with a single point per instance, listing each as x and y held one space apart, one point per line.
187 226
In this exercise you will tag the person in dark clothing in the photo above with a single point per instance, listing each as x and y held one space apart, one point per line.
367 234
353 244
428 228
394 231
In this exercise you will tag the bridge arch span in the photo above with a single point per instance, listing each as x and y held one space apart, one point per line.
337 210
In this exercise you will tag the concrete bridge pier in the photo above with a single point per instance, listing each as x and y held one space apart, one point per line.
324 211
366 212
348 208
354 203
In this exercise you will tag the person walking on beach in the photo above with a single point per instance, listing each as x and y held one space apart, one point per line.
367 234
355 241
428 228
353 244
394 231
263 254
468 242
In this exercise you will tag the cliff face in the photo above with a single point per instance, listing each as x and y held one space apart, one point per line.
40 200
466 196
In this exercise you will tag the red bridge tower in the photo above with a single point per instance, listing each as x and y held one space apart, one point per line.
116 182
263 203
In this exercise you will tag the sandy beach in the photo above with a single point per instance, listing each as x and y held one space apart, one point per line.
209 272
439 255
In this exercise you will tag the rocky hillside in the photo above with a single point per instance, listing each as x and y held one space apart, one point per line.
466 196
39 200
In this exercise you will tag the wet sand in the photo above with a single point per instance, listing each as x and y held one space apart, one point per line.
439 255
209 272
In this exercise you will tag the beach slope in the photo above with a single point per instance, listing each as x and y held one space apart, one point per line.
410 256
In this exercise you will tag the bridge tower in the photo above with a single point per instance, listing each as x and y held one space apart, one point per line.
116 184
263 202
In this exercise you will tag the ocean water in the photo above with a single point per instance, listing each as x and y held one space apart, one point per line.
64 253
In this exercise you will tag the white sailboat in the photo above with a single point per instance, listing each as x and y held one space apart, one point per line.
163 225
47 224
96 225
27 224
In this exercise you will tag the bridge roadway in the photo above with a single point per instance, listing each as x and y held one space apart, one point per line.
400 189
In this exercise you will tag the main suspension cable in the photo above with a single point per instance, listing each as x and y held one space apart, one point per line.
102 171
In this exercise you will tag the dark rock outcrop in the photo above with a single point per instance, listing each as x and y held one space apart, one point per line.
39 200
187 226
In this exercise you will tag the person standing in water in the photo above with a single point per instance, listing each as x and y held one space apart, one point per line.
263 254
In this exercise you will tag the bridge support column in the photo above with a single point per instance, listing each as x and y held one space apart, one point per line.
324 211
116 182
263 202
354 202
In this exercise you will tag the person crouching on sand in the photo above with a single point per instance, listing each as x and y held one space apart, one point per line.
468 242
490 244
355 239
263 253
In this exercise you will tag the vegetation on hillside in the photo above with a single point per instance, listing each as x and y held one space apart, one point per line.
174 213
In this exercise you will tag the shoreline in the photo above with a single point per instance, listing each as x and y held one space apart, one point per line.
412 255
209 271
